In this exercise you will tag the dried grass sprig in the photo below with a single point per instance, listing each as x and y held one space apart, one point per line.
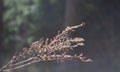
49 50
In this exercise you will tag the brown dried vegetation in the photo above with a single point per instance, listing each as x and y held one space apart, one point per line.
48 50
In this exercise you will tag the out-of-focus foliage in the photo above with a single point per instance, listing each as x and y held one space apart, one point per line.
20 20
26 20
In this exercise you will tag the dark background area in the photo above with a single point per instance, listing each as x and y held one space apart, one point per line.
25 21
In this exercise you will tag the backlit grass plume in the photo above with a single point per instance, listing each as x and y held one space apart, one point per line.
48 50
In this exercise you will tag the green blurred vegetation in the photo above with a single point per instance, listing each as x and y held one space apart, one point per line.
20 22
24 20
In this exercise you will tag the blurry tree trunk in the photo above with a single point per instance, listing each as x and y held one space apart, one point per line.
1 23
72 12
1 31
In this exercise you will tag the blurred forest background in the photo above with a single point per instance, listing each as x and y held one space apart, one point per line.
25 21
